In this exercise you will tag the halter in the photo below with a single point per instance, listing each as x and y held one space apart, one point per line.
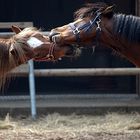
50 55
34 43
87 27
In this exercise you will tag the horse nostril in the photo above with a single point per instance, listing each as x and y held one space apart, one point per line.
52 33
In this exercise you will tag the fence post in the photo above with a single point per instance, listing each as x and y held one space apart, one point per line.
32 89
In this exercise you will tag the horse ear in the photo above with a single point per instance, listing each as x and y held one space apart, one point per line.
16 29
109 9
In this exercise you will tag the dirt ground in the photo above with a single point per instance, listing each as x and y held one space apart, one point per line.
111 126
28 135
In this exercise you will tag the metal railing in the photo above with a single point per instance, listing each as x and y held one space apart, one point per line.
71 72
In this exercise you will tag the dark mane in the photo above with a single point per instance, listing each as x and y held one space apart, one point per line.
89 9
127 26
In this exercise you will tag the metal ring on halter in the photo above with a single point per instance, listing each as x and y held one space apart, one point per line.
76 31
98 28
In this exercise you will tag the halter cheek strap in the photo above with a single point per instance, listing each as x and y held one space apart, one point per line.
75 31
94 21
50 55
87 27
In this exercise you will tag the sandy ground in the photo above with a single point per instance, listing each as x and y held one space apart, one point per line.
112 126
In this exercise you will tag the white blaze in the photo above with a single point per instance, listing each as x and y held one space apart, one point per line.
34 42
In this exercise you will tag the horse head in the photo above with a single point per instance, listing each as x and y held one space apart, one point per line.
27 44
86 28
38 46
96 23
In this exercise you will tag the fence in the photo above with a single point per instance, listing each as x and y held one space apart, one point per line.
73 72
82 72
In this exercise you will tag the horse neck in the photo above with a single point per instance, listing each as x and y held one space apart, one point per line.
113 40
108 37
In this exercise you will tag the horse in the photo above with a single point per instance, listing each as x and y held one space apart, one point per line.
27 44
97 23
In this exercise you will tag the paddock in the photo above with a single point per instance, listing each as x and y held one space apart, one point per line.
72 116
54 126
68 117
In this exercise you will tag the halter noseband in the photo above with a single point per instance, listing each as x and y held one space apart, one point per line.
50 55
87 27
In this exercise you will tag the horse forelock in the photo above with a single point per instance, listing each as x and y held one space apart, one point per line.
89 9
26 33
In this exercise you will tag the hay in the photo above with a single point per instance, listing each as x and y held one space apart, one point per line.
74 127
6 124
57 122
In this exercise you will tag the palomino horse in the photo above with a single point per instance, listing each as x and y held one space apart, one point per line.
97 23
28 44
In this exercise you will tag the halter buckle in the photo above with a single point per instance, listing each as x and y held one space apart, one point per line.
98 25
76 31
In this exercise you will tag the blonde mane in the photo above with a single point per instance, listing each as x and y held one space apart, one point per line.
7 60
27 32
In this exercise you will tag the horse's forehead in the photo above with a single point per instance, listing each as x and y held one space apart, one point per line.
25 35
41 37
34 33
37 35
34 42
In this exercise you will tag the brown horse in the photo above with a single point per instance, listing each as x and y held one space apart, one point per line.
28 44
42 48
97 23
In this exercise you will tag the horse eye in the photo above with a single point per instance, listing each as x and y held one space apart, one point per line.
82 16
